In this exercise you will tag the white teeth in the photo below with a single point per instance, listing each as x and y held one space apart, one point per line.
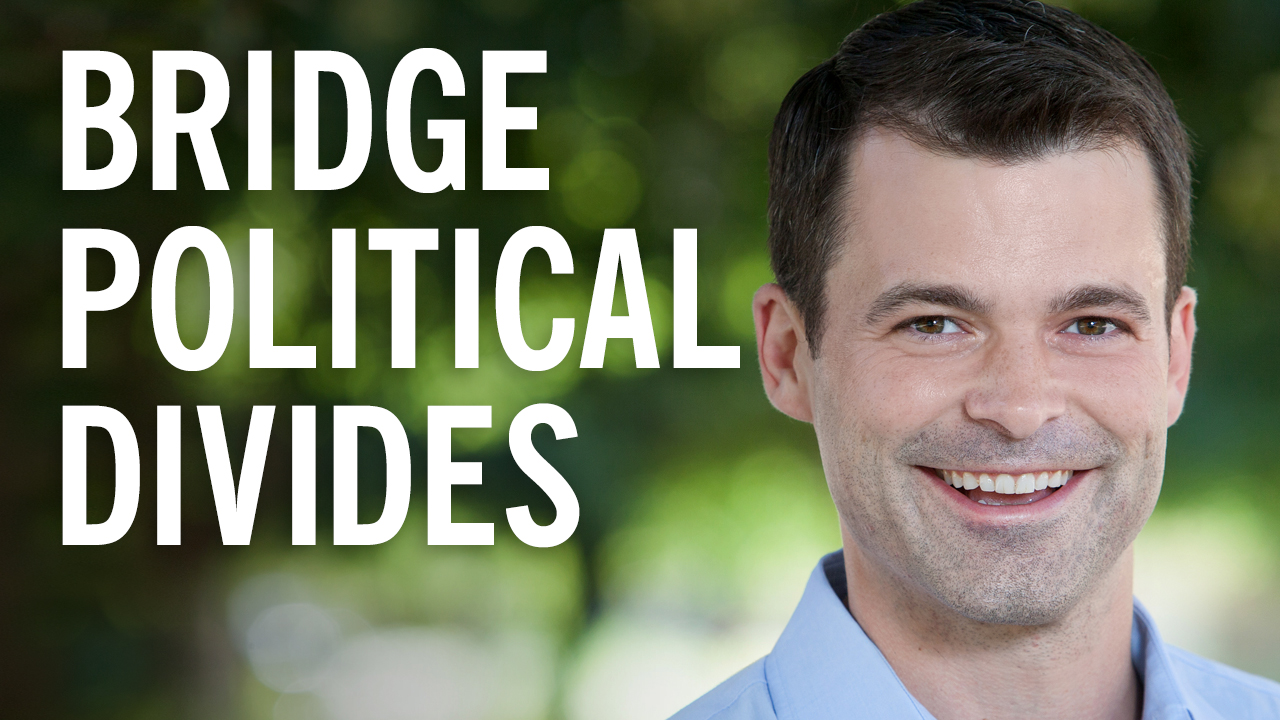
1006 483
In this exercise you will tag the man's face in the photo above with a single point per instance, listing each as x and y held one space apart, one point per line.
997 320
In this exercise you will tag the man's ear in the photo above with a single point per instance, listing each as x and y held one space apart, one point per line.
1182 333
783 351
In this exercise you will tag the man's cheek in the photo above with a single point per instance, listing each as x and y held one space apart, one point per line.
906 392
1126 396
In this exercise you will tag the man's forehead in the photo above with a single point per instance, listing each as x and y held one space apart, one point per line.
884 162
1072 218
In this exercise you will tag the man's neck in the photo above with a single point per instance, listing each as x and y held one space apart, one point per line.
960 669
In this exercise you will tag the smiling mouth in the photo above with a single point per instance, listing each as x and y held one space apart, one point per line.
986 488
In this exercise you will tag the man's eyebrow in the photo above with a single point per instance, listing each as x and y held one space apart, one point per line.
1098 296
908 293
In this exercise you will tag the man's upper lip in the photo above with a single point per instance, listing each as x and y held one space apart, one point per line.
1007 470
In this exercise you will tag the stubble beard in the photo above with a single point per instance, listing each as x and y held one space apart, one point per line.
1030 574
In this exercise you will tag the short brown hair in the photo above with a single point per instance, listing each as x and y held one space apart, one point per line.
1002 80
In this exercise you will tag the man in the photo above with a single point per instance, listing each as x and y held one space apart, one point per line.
979 222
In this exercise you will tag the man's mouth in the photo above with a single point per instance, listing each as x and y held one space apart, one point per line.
988 488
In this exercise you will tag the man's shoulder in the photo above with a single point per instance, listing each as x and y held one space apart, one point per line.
745 696
1232 692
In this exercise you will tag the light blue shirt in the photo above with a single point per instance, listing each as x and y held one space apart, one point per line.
825 667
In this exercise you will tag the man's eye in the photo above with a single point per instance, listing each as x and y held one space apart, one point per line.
1091 326
935 325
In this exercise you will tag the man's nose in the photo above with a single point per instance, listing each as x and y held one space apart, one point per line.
1016 392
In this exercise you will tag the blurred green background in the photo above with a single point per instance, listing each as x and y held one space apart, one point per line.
703 510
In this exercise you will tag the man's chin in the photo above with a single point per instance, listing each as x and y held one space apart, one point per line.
1022 575
1036 580
1028 609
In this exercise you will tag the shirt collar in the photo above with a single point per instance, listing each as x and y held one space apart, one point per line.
1164 695
824 664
